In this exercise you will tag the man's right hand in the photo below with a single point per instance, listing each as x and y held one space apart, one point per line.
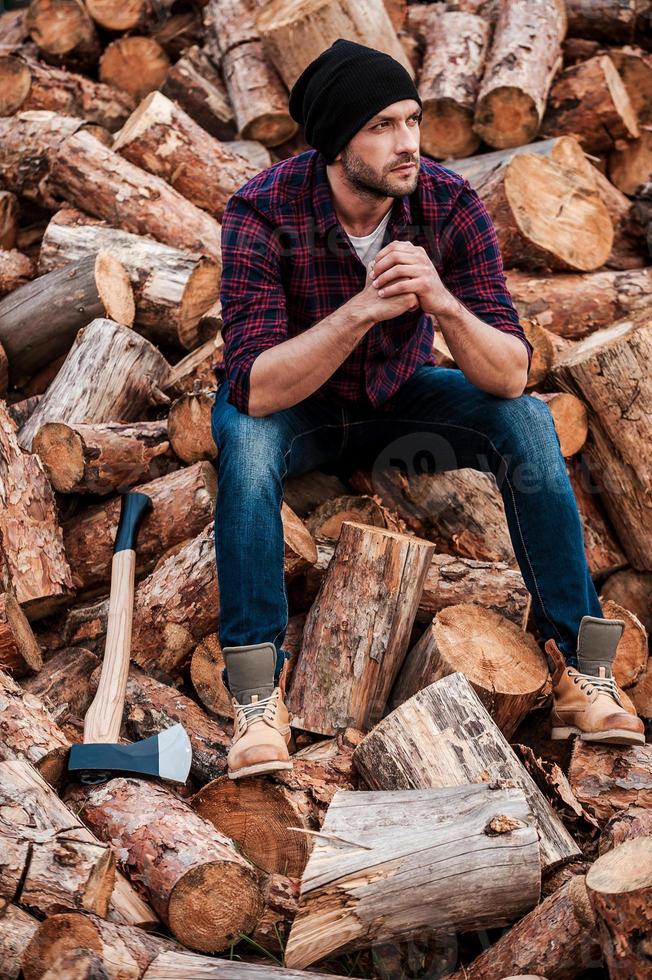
386 307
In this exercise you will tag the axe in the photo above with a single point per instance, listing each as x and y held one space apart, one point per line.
166 755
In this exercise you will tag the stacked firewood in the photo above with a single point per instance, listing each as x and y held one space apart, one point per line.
426 799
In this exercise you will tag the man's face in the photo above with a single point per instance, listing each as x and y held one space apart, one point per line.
389 139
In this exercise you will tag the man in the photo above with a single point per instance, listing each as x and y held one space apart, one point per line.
335 263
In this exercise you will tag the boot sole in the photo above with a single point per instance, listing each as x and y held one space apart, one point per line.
615 736
258 769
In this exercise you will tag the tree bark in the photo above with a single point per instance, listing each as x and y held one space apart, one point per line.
134 64
627 824
197 86
606 778
179 966
258 96
28 732
19 652
64 687
325 521
604 554
494 585
137 15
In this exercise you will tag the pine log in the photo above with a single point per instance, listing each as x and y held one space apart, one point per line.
189 425
590 101
281 903
570 417
65 687
17 928
135 65
393 839
606 778
183 501
619 886
503 664
94 178
172 288
630 166
257 94
632 651
358 629
28 145
633 590
439 719
162 139
16 269
32 557
603 551
627 824
28 732
556 940
512 97
205 891
64 32
29 84
494 585
40 321
609 371
613 21
197 86
19 652
110 374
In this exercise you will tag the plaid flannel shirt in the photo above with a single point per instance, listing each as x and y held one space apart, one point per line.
287 263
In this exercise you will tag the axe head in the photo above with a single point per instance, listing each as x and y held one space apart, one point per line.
167 755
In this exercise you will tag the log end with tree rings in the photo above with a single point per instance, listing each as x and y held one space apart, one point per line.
137 65
114 288
199 296
206 668
123 16
447 129
270 128
15 83
506 116
63 30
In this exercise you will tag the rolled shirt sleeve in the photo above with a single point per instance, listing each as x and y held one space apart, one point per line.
473 266
254 312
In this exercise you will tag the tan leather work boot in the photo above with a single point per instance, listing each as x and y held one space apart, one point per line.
262 730
588 702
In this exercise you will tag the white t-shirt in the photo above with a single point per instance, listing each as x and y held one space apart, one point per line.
368 246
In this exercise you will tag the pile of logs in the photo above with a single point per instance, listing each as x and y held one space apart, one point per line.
426 804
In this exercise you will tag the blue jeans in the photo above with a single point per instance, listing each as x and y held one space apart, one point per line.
438 420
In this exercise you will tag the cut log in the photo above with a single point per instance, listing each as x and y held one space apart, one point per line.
606 778
189 425
565 915
494 585
40 321
17 928
619 886
63 32
110 374
180 966
627 824
199 365
326 521
590 101
512 97
505 666
395 837
613 21
19 652
29 84
135 15
306 491
13 32
197 86
633 590
570 417
609 372
172 288
96 179
603 551
281 903
440 717
28 732
162 139
133 64
635 68
632 652
358 629
630 166
258 96
103 458
32 559
183 501
16 269
205 891
65 688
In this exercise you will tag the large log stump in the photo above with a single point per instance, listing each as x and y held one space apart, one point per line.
440 718
358 628
202 887
606 779
28 732
393 837
110 374
19 652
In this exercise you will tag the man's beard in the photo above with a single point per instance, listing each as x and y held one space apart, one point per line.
370 185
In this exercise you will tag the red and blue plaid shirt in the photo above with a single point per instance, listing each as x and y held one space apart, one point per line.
287 263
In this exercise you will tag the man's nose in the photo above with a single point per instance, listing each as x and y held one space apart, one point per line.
407 141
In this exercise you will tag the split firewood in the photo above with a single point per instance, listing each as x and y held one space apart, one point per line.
65 689
566 914
590 101
554 785
512 97
358 629
63 32
392 838
162 139
198 365
32 558
441 715
632 652
183 501
28 732
17 928
603 551
326 520
197 86
611 21
257 95
627 824
29 84
272 820
110 374
105 457
19 652
633 590
134 64
205 891
189 425
608 778
31 803
570 416
609 371
39 321
630 166
16 269
503 664
126 950
172 288
619 886
96 179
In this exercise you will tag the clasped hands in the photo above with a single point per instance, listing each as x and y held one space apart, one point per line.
401 267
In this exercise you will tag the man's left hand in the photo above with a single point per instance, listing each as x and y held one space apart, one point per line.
402 267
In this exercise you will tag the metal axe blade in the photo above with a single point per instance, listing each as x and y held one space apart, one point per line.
167 755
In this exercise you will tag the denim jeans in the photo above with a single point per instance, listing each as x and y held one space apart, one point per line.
437 416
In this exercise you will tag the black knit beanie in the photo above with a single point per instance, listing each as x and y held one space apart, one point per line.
338 92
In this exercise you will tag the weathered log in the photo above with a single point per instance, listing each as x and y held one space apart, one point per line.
28 732
619 886
96 179
17 928
134 64
633 590
197 86
189 425
199 365
39 321
257 94
440 717
627 824
202 887
503 664
110 374
603 551
64 32
392 837
32 558
21 411
635 68
172 288
281 903
606 778
19 652
357 630
16 269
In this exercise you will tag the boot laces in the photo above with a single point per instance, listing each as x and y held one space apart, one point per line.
602 684
248 712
